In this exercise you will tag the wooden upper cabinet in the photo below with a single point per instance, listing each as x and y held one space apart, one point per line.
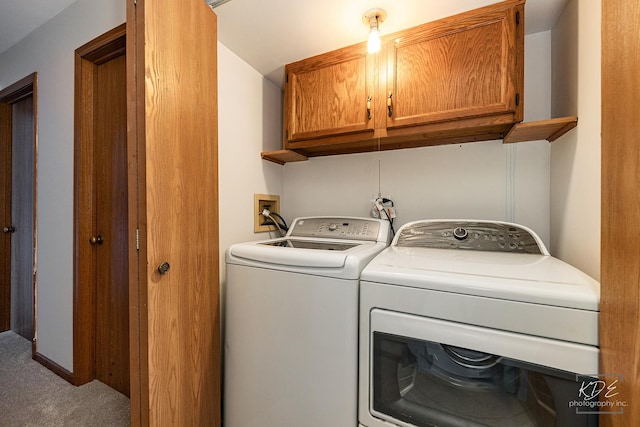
464 67
459 79
328 95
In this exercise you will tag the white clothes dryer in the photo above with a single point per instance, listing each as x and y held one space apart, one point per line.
473 323
291 324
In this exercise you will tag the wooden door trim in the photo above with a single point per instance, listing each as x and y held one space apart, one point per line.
138 320
23 88
87 58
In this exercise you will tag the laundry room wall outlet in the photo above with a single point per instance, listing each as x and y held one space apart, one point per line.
261 202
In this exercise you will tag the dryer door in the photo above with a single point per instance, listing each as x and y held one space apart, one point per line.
426 372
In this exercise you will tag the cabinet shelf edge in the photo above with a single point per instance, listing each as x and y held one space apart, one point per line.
550 130
283 156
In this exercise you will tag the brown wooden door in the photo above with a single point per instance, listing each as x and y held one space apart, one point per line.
110 226
101 261
328 95
457 68
172 117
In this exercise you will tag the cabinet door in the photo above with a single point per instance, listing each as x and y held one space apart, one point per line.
462 67
328 95
172 140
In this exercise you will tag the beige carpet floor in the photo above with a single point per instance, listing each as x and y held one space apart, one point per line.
31 395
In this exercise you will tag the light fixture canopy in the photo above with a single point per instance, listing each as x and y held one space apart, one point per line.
215 3
372 18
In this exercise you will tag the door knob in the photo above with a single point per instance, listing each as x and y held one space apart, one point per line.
96 240
9 230
164 268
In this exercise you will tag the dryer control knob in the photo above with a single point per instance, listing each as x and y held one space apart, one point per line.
460 233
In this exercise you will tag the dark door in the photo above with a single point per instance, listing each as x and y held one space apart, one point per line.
110 227
21 227
17 206
5 216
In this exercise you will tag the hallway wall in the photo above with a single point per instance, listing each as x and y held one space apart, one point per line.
49 51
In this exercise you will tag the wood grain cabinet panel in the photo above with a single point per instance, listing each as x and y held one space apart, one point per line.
328 95
453 80
463 69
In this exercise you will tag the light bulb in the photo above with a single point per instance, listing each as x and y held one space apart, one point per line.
373 18
374 43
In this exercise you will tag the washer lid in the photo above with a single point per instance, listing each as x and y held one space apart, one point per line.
539 279
271 253
332 246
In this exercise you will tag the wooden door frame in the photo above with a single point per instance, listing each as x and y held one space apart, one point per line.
87 58
138 328
16 92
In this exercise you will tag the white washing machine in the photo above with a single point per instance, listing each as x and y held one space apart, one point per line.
291 324
473 323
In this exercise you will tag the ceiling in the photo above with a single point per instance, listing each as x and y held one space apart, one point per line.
269 34
20 17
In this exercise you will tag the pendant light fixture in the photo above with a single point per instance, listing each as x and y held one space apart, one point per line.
372 19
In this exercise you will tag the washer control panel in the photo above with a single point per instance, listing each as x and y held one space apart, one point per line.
471 235
337 228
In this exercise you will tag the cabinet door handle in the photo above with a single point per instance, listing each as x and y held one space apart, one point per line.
9 229
389 107
369 108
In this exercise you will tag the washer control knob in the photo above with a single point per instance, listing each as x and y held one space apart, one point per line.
460 233
333 227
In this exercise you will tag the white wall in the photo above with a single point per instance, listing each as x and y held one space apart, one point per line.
483 180
575 158
49 51
249 121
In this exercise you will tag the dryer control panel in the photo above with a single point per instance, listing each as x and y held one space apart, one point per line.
492 236
337 228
